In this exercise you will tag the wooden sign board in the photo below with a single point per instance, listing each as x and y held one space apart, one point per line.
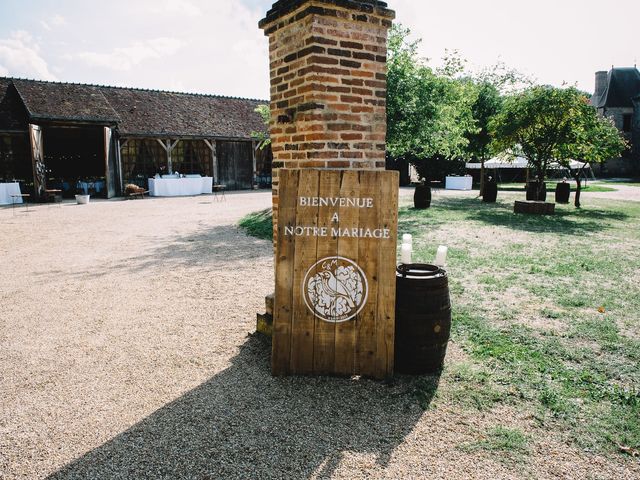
335 272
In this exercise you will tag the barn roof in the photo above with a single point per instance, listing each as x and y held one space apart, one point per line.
623 84
13 115
136 112
161 113
65 101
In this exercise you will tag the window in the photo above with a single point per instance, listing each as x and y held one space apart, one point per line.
142 159
626 123
192 157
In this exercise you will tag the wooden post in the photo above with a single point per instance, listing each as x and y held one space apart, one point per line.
214 159
168 147
254 144
120 146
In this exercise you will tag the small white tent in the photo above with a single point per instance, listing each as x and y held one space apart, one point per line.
521 162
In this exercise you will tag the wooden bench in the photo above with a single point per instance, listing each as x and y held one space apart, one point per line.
534 207
53 195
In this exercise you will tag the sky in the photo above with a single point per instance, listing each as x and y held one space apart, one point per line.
215 46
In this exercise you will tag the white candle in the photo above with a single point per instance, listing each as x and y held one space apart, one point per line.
441 256
407 239
405 256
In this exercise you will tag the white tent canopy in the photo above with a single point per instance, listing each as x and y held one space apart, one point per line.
520 162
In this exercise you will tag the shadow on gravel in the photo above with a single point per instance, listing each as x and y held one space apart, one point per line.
243 423
211 248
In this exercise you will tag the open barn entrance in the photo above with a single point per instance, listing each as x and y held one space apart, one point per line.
75 160
235 165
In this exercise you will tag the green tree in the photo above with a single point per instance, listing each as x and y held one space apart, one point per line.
263 136
546 125
596 140
486 106
428 113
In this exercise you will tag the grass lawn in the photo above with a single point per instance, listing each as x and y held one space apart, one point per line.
545 316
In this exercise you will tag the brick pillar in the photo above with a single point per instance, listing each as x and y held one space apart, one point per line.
328 63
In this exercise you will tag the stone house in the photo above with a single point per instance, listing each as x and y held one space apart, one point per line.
617 96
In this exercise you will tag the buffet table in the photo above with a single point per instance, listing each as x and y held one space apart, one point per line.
459 183
180 187
10 193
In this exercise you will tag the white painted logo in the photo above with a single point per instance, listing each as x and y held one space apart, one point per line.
335 289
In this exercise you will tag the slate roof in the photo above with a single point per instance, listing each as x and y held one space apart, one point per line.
623 84
136 112
65 101
157 113
13 115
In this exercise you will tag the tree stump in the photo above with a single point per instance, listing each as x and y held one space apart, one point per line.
533 207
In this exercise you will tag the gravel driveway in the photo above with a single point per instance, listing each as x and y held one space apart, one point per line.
126 353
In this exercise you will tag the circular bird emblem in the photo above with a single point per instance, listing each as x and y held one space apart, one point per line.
335 289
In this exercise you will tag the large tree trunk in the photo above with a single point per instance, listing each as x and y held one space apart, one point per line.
577 176
541 186
482 178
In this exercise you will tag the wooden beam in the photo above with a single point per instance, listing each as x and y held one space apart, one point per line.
255 164
168 147
214 157
120 146
164 147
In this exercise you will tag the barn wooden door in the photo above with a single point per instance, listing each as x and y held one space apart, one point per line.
110 162
37 161
235 165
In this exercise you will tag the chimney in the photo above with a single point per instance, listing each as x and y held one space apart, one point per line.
328 63
601 82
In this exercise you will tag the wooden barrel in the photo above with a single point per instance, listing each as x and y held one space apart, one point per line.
563 192
490 193
422 197
423 318
537 192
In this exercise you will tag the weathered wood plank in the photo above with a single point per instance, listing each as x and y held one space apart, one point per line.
347 249
325 332
368 259
285 257
385 324
303 321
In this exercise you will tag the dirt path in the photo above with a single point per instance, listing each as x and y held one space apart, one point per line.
623 192
125 354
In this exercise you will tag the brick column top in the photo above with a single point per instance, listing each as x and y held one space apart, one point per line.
282 8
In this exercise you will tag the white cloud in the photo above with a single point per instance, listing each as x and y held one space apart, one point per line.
56 21
125 58
172 7
20 57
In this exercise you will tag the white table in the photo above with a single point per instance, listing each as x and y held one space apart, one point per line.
459 183
8 189
179 187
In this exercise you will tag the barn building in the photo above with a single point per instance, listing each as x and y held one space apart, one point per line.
617 96
64 136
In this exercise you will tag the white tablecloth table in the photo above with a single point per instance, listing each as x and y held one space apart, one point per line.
180 187
459 183
8 189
